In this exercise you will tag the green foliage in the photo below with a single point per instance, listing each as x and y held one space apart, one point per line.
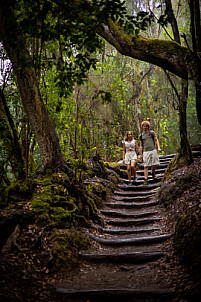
93 102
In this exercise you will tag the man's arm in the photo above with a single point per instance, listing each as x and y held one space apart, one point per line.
139 149
157 144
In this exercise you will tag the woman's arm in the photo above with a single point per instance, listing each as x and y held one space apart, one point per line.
124 151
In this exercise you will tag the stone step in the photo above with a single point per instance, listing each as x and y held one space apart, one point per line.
140 180
131 205
133 222
130 241
158 171
161 166
135 194
165 160
117 214
133 187
131 198
140 165
125 257
167 156
119 295
125 231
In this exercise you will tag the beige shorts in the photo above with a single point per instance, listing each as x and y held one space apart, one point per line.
150 158
130 156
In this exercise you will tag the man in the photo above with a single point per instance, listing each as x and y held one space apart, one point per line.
148 139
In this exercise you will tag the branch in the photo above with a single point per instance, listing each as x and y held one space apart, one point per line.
168 55
172 84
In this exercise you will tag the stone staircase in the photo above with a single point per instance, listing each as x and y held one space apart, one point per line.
127 260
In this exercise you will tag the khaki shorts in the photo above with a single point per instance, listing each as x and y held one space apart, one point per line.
130 156
150 158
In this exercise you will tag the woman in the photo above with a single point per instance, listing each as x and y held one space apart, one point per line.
130 156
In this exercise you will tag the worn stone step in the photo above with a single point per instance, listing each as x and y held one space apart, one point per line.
126 198
165 160
117 214
167 156
133 222
125 231
130 205
133 187
140 180
158 172
120 294
130 241
162 166
134 194
125 257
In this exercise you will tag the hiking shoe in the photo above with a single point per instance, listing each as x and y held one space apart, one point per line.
134 181
154 176
145 182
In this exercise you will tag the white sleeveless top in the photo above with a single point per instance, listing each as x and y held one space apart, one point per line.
130 146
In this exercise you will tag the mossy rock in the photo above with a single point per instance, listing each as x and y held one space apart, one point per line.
113 177
117 168
18 191
176 163
187 243
66 245
187 237
174 187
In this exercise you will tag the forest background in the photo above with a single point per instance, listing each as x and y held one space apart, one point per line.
74 77
92 96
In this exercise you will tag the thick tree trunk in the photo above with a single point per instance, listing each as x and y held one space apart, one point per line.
30 93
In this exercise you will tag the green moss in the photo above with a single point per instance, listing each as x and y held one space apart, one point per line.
58 210
176 163
46 181
66 245
114 166
18 191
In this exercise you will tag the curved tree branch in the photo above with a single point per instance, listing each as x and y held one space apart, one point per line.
168 55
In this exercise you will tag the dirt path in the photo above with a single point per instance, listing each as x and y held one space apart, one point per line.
129 257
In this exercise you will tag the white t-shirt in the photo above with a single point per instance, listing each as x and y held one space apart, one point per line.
130 146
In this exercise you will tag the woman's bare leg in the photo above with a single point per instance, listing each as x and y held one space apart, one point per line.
133 169
129 172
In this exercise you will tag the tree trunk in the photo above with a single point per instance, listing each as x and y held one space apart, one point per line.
30 93
9 137
185 147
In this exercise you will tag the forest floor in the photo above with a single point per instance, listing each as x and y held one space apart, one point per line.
25 277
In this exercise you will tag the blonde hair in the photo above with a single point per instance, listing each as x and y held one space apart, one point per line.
145 123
